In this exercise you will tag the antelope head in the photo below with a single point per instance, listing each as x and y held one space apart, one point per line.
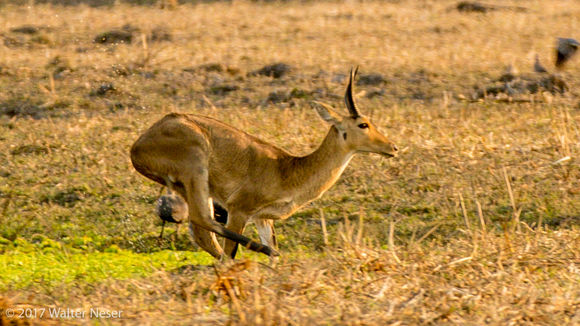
356 131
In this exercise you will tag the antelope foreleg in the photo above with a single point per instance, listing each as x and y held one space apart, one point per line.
266 231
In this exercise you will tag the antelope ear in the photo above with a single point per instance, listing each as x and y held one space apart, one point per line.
326 112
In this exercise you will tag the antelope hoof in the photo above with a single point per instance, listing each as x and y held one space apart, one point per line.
262 248
270 252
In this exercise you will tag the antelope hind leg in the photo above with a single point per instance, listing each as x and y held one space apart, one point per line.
206 240
196 188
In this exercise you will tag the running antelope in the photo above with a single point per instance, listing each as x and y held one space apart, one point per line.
206 160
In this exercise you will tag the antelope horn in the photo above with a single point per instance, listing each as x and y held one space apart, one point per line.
348 97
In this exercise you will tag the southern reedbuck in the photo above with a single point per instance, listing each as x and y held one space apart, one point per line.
203 159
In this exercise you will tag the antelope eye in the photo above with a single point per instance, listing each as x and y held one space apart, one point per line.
363 125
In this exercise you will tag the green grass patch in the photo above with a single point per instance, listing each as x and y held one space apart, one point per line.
49 263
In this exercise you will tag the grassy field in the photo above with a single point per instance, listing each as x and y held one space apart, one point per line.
476 222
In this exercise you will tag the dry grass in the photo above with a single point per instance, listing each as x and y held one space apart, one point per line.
528 278
476 222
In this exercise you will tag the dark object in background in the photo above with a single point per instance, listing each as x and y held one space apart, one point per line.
30 29
565 50
275 70
172 208
117 36
371 79
160 34
466 6
478 7
104 89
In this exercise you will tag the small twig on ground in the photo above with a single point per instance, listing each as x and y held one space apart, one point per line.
360 227
323 225
464 211
516 211
481 219
392 242
209 102
428 233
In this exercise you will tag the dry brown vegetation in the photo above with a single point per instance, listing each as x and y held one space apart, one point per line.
477 222
530 278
